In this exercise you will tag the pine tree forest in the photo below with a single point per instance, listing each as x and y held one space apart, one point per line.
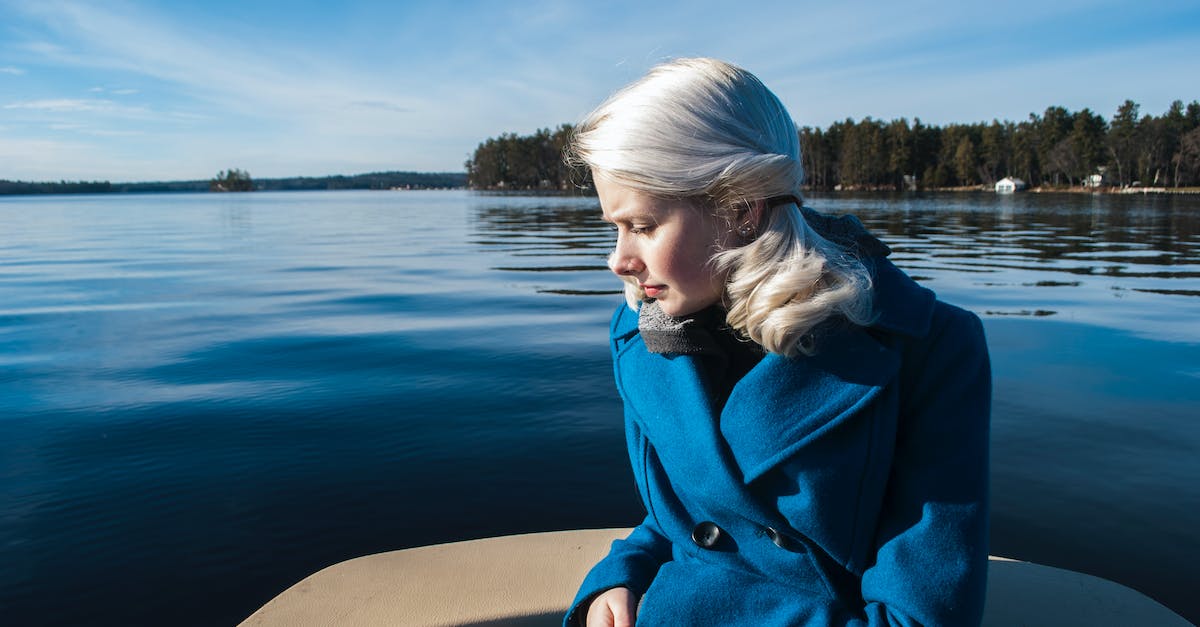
1058 149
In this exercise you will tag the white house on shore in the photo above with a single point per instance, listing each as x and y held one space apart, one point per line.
1008 185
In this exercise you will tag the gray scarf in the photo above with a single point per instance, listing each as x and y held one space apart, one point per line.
686 335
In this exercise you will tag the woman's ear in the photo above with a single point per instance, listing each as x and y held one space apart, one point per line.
748 220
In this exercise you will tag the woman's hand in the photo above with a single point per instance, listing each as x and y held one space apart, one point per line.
615 607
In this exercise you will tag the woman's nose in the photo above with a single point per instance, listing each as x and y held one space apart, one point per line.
623 262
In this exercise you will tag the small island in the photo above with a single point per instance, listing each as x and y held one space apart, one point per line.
233 180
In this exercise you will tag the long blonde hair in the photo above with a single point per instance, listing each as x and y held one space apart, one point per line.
710 132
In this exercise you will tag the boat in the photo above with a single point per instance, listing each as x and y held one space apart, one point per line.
530 579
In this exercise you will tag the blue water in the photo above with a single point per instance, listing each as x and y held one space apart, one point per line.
204 398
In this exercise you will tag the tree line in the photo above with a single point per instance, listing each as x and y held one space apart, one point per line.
1058 148
525 162
372 180
52 187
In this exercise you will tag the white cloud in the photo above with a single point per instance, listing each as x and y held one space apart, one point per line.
63 105
84 129
229 74
302 107
93 112
8 69
380 105
118 92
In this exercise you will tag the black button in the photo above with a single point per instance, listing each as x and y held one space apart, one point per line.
706 534
783 541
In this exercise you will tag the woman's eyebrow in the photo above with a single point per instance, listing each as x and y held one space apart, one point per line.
629 215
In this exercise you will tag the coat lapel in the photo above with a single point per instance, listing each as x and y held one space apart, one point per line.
784 403
772 412
670 401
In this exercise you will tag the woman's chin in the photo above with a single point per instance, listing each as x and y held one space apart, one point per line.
677 310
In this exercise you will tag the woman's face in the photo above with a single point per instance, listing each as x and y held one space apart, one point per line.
665 245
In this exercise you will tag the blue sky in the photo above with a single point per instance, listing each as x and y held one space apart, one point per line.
136 91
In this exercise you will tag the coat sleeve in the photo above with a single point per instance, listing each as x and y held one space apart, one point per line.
930 562
632 563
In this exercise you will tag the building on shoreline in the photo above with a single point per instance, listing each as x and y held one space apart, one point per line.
1009 185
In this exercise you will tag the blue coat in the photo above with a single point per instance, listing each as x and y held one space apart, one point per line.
846 488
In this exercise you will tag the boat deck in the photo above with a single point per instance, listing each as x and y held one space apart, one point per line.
530 579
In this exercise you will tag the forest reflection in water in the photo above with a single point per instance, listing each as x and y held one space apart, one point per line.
1125 262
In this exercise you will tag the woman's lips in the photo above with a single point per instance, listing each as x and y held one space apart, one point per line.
653 290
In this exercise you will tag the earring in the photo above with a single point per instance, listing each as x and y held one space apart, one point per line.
745 230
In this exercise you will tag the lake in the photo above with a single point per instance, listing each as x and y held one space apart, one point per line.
205 398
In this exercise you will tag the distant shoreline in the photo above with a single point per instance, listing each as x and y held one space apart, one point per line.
265 185
1044 189
371 180
1074 190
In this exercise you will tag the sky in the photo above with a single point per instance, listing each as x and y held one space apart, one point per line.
131 90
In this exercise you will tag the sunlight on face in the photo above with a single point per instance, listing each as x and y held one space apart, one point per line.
665 246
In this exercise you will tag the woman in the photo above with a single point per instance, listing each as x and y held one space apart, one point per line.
807 425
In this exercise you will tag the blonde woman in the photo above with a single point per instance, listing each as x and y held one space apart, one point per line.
808 427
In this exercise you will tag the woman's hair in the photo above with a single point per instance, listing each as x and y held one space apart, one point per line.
711 133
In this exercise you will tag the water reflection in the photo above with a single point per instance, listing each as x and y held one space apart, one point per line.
1118 236
554 238
1121 262
554 227
1125 262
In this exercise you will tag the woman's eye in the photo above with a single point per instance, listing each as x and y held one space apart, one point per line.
632 229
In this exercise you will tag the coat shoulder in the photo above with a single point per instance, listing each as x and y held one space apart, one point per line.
954 334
